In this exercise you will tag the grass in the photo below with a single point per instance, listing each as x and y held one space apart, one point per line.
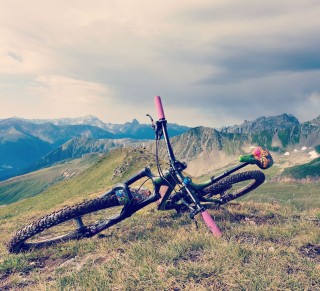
311 169
32 184
96 179
261 250
265 246
298 196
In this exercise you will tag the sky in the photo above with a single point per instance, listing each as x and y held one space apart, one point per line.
214 63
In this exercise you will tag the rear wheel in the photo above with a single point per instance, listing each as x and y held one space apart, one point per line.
73 222
234 186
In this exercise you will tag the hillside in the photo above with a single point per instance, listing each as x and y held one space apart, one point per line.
79 146
18 150
163 250
310 170
132 129
262 123
105 171
206 149
27 145
46 142
34 183
280 132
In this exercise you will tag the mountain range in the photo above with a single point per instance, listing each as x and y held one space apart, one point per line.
206 149
280 132
28 145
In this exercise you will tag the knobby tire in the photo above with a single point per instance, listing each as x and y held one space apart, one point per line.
19 241
224 187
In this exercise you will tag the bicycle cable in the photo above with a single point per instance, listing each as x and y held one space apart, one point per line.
144 183
159 166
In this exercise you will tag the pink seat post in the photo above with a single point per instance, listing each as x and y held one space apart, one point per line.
159 108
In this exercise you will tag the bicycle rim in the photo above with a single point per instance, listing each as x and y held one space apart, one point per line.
234 186
75 222
82 226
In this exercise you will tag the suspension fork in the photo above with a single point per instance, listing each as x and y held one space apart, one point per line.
175 164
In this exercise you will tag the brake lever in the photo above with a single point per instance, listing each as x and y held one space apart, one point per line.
152 122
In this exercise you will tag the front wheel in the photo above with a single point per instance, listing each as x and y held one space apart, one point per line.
73 222
234 186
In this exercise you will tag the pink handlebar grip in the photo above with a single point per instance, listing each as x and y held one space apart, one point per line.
211 224
159 108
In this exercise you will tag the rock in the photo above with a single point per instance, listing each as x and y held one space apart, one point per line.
271 250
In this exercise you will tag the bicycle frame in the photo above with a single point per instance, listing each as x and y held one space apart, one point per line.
172 178
174 190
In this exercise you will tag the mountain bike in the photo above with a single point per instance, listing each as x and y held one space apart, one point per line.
173 189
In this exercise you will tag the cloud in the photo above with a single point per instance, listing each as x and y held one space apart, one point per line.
61 88
222 61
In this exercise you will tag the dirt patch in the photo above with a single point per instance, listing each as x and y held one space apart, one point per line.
192 256
39 262
311 251
248 238
266 219
255 219
14 283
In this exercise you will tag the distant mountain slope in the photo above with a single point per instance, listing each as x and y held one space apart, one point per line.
263 123
18 150
78 146
31 144
309 170
206 149
132 129
279 132
34 183
54 134
74 179
22 142
201 139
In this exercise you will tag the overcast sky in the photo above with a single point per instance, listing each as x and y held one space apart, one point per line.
214 63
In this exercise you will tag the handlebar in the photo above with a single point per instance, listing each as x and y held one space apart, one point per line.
159 108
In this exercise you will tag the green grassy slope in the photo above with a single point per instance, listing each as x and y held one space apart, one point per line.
311 169
264 247
32 184
298 196
96 179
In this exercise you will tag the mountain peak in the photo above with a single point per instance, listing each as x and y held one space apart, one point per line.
271 122
135 122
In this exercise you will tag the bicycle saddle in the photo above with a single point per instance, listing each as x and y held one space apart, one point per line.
259 156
